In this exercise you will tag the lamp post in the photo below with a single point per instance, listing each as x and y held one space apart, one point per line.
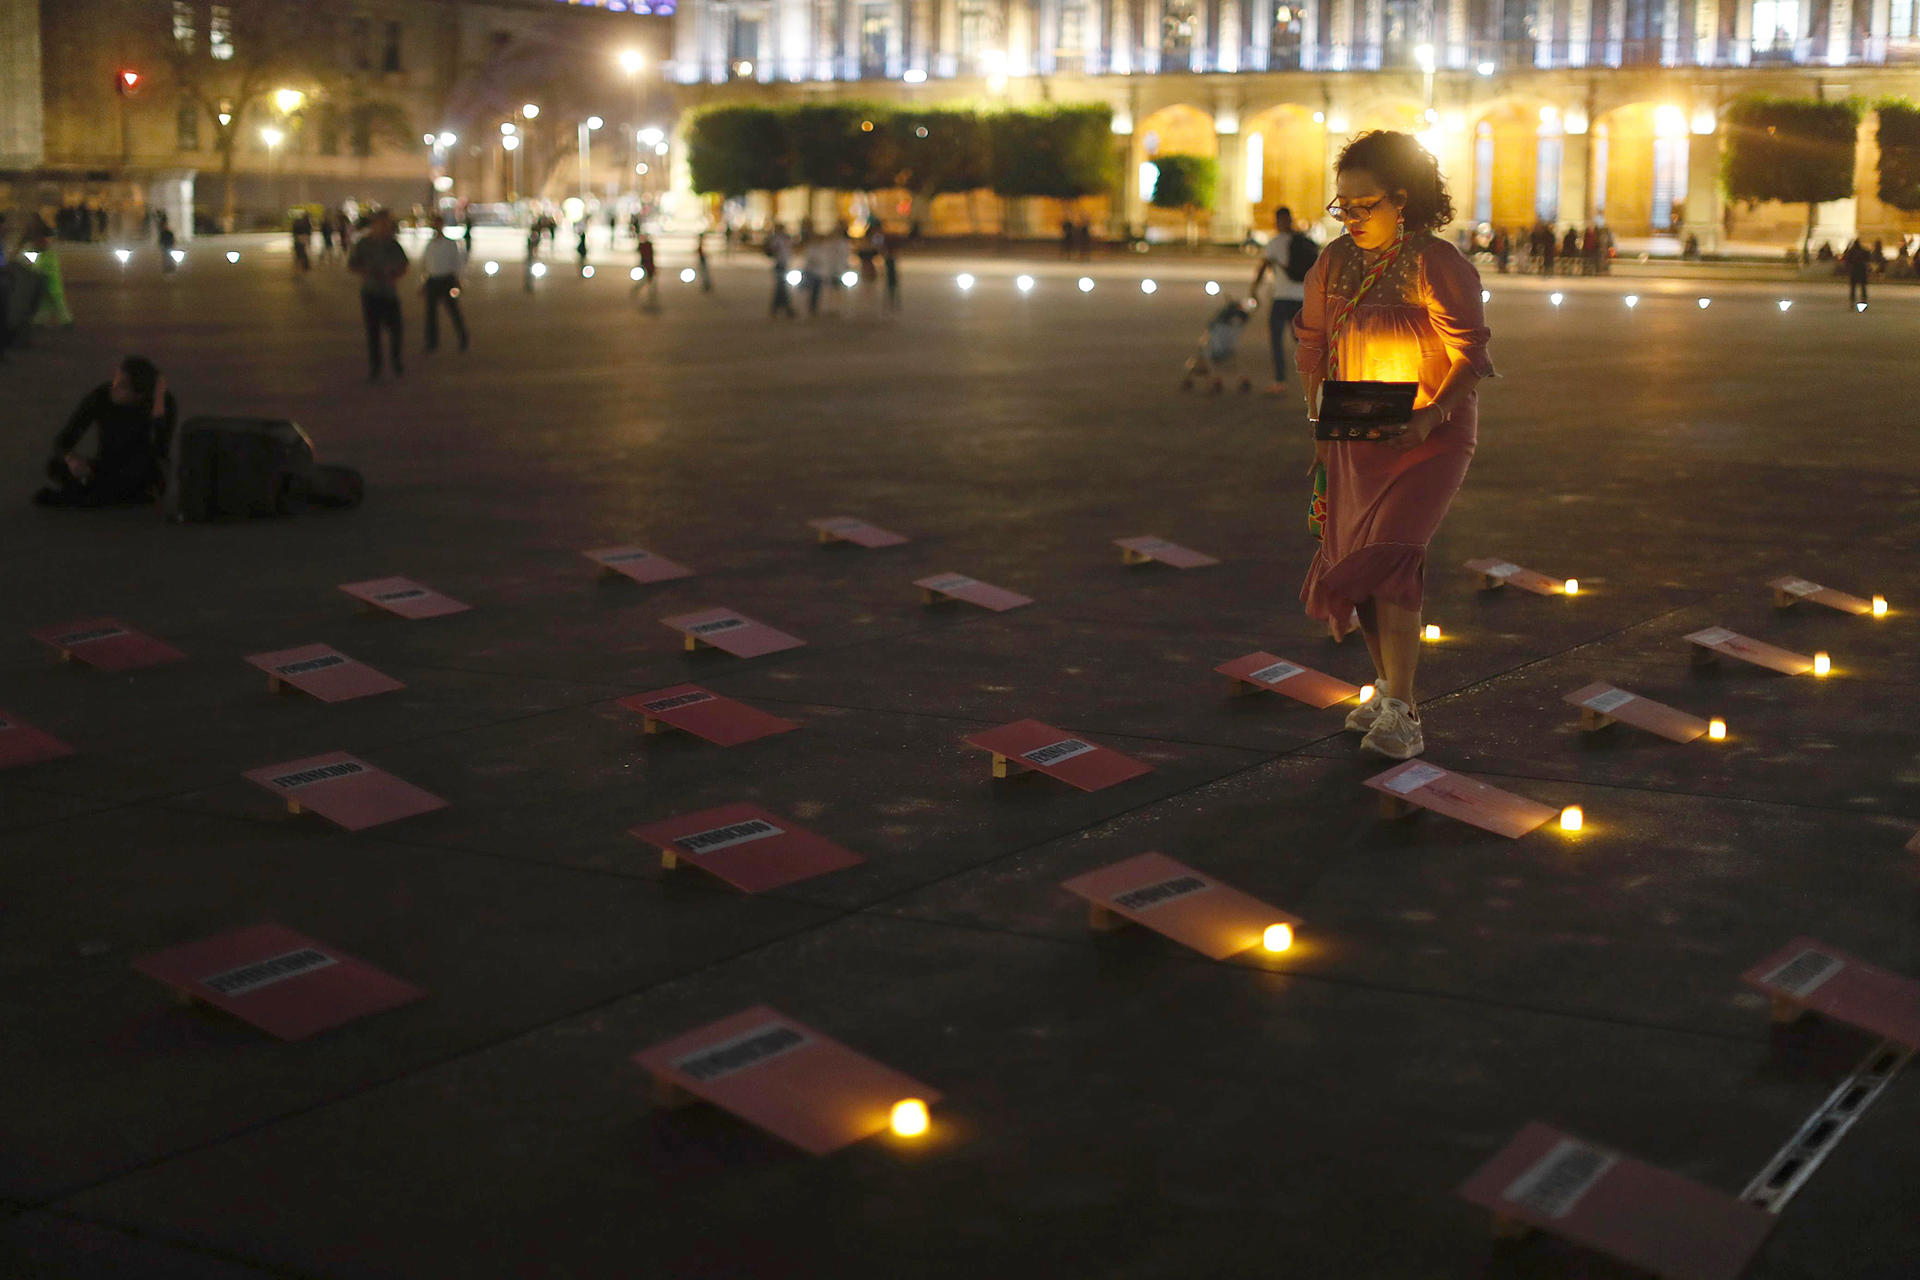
510 140
586 131
273 138
632 63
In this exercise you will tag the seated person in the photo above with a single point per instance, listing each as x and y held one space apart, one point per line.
134 416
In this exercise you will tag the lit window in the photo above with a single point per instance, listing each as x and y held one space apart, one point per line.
183 25
220 32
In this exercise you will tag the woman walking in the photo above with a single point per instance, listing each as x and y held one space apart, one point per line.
1390 301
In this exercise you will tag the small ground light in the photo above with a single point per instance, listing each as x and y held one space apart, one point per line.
1859 306
1485 296
1432 631
849 278
31 256
636 275
586 273
233 255
688 275
1705 303
1366 692
1717 729
1086 284
1632 300
793 279
1148 286
1556 298
539 270
1822 664
1024 284
123 255
1278 937
1571 819
1572 587
1213 288
1879 606
178 255
1786 303
964 280
493 268
909 1117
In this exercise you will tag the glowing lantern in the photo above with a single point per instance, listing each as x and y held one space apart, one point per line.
1366 693
1822 664
1571 819
1432 631
909 1117
1278 937
1717 729
1879 606
1573 586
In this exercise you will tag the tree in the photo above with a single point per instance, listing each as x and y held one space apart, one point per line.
839 145
1185 183
1064 153
937 151
258 47
1797 150
732 150
1899 138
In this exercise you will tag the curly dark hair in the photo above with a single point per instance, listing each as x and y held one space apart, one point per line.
1402 165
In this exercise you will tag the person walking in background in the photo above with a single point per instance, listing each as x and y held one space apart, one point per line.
326 235
53 279
1858 260
1390 301
534 234
1288 257
344 225
166 240
826 258
700 265
580 248
380 262
649 281
302 241
440 263
890 262
780 251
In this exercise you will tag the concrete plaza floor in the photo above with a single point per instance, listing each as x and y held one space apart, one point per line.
1114 1106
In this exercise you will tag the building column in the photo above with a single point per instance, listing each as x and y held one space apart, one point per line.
1133 209
1701 217
1576 175
1879 22
1230 162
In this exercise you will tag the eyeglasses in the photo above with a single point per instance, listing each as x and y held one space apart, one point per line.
1355 210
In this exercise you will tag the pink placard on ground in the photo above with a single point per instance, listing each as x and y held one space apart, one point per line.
1142 549
22 744
1459 797
730 632
637 563
1263 670
1790 591
1499 573
1029 744
786 1078
282 982
1173 899
107 644
858 532
1668 722
748 847
324 672
1835 985
1614 1204
344 790
1734 645
958 586
705 714
403 597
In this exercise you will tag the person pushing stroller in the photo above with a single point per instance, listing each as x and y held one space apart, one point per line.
1218 355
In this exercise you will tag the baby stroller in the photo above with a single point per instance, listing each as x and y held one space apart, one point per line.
1217 356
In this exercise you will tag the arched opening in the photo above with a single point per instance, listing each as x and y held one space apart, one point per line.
1516 165
1178 130
1286 165
1640 180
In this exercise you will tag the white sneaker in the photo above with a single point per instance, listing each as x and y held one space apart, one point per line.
1395 734
1361 718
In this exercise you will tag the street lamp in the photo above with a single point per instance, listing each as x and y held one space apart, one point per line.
632 61
586 131
530 111
289 100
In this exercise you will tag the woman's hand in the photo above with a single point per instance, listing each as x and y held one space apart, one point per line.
1419 427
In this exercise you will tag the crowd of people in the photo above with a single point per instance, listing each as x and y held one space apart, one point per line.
1539 251
826 258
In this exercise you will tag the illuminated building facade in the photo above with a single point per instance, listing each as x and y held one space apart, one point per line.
1565 110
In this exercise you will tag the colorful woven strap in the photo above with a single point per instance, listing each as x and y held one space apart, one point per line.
1343 311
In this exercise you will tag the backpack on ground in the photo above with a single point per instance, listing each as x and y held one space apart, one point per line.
237 468
1302 253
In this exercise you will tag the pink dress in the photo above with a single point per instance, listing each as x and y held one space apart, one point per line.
1383 505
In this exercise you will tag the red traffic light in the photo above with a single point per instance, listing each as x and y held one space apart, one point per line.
127 81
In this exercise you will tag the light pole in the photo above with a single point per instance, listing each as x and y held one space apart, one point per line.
273 138
511 141
632 63
586 130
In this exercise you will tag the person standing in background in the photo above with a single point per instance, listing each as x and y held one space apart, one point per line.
440 263
780 251
302 241
1288 257
379 261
